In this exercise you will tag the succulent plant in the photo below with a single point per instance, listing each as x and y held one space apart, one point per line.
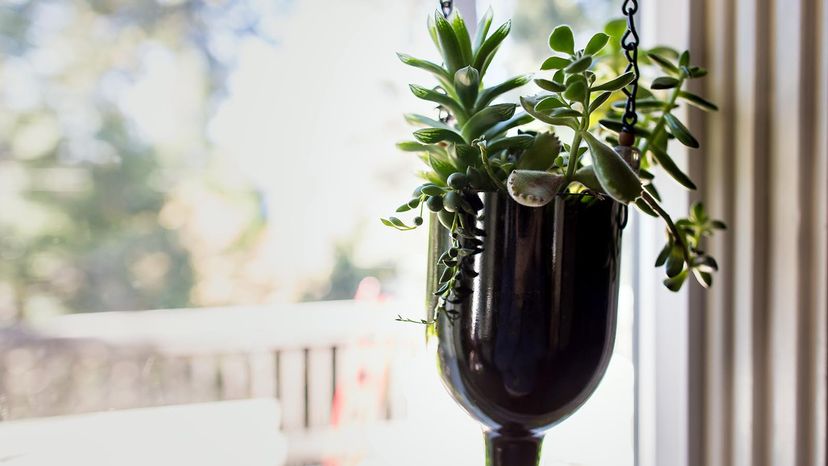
478 146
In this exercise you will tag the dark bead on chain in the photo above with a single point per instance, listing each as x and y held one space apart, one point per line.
447 7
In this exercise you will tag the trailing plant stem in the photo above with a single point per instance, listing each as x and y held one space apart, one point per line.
659 127
670 225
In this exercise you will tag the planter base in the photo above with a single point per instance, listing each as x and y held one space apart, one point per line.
512 450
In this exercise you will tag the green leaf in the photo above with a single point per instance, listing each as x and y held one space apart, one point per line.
665 251
547 104
528 105
579 65
587 177
562 40
645 208
449 46
595 44
462 35
576 91
564 112
518 119
467 84
550 86
675 283
435 135
520 141
555 63
489 94
465 156
648 104
698 101
616 29
671 168
443 168
533 188
718 225
598 101
664 82
433 190
433 68
438 97
650 188
487 49
675 261
617 126
541 155
412 146
680 131
485 119
705 279
684 58
616 83
615 176
416 119
432 31
482 29
697 72
664 63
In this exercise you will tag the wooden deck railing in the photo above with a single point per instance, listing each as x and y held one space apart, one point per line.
328 364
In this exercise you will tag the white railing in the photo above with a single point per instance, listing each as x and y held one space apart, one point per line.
328 363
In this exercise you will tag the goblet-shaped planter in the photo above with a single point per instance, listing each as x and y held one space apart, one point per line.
531 341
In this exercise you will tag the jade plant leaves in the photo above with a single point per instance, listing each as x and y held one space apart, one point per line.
596 43
680 131
554 63
562 40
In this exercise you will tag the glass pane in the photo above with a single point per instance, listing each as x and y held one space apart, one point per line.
225 163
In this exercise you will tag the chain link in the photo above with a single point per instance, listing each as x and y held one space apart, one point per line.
447 7
629 42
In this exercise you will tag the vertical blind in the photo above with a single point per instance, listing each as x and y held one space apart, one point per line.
760 345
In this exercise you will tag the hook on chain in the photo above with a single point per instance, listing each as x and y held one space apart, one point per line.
447 6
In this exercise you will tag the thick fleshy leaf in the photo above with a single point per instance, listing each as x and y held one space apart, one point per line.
467 84
675 261
562 40
435 135
547 104
698 101
443 168
438 97
520 141
555 63
462 35
416 119
518 119
533 188
484 54
449 46
579 65
541 155
598 101
550 86
671 168
614 174
596 43
576 91
664 82
482 29
433 68
586 176
675 283
680 131
616 83
490 93
664 63
485 119
528 105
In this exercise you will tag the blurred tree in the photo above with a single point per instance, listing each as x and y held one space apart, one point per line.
82 181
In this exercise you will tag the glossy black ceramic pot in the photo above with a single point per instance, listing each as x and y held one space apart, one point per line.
530 343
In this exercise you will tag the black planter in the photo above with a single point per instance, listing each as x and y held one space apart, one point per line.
530 344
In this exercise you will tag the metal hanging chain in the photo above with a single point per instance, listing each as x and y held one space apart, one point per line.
629 42
447 7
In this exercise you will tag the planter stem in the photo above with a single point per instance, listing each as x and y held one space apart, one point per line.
505 449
